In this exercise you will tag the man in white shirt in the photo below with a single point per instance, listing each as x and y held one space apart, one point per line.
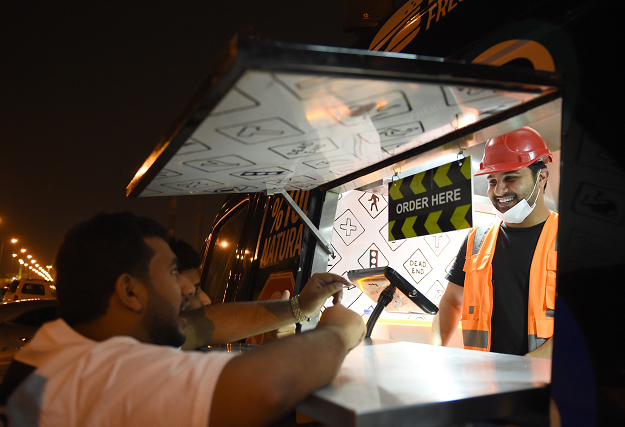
111 358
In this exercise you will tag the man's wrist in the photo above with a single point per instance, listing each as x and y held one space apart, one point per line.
297 311
338 331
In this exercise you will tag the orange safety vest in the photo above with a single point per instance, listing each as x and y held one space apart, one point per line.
477 302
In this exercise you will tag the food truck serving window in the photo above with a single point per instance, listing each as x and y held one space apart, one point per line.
346 122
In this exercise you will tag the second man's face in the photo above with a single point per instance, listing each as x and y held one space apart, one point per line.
199 298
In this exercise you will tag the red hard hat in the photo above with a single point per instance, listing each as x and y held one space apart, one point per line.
513 151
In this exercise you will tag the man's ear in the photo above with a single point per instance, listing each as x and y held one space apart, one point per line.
544 174
131 292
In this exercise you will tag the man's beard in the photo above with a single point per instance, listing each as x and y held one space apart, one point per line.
161 322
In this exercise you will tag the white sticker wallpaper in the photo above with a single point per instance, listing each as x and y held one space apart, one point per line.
359 240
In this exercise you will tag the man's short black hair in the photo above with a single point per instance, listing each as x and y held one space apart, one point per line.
94 254
536 167
188 258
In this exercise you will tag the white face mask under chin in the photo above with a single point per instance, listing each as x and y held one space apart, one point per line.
520 211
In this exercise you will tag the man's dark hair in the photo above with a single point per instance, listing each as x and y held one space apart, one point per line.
188 258
94 254
536 167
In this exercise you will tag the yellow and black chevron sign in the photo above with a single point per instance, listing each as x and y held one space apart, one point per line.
431 202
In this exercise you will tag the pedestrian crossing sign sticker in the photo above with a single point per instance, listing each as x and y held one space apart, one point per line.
431 202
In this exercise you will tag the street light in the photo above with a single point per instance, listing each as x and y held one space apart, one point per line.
13 262
13 241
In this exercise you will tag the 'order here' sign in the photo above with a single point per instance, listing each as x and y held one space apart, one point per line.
431 202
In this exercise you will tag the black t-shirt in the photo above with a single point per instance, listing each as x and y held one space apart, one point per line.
511 271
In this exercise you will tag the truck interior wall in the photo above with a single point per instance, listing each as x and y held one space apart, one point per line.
360 240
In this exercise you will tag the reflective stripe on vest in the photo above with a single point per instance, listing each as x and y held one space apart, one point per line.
477 303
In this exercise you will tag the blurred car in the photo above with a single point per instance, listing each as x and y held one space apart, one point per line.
18 323
22 289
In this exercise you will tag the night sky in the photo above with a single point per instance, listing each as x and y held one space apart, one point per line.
87 91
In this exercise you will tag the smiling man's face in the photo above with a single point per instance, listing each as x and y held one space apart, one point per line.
506 189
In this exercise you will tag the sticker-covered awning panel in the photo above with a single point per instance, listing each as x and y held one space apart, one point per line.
298 130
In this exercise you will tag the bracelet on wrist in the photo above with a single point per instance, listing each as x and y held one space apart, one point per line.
297 311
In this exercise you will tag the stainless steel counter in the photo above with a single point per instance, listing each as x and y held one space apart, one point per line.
408 384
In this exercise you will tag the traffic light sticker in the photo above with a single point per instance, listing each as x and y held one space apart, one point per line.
372 258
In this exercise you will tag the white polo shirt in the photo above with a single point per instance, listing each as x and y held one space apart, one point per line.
117 382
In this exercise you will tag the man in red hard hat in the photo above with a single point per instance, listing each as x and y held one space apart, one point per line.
502 283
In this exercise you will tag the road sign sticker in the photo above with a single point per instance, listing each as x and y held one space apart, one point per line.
325 163
437 242
348 227
301 182
234 189
372 258
435 293
373 203
167 173
235 101
262 173
389 135
600 203
220 163
418 266
193 185
260 131
373 108
393 244
192 146
295 150
334 259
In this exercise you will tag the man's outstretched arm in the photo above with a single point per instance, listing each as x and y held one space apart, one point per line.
264 384
446 321
229 322
545 351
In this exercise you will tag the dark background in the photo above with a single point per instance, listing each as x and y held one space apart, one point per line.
87 91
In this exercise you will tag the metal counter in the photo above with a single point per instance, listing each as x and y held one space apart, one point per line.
408 384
